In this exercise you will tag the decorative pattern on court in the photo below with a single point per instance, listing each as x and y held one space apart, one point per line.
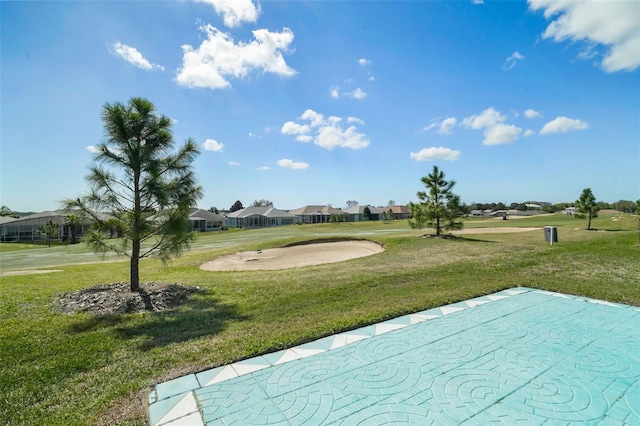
520 356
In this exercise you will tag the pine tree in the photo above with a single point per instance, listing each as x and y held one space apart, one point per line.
587 206
144 186
439 207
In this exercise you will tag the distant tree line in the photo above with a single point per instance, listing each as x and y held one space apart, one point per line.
625 206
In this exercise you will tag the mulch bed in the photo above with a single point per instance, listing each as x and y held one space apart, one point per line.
118 298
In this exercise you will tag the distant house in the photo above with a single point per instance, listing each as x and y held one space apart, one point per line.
204 220
533 206
570 210
356 213
499 213
398 212
477 213
316 214
25 229
259 217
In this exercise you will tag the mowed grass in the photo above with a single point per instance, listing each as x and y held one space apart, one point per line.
78 369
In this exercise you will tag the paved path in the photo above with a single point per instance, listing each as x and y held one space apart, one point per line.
520 356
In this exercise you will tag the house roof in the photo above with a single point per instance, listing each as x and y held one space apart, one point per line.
316 210
360 210
397 209
7 219
269 212
200 214
57 216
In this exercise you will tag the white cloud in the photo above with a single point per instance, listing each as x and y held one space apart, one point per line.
496 132
486 118
477 1
328 132
358 93
512 60
234 12
290 164
364 61
315 118
134 57
612 24
532 113
304 138
445 127
500 134
233 163
433 153
372 78
213 145
263 168
291 128
563 125
528 133
219 57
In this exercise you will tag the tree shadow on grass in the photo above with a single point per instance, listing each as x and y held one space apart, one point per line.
474 240
452 237
196 317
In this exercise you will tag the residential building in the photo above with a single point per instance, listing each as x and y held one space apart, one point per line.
316 214
204 220
260 217
356 213
399 212
25 229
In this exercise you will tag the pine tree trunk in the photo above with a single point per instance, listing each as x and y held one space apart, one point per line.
134 270
589 223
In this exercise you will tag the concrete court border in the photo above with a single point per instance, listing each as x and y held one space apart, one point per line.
579 333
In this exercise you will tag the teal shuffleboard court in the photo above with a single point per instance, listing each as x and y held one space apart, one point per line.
520 356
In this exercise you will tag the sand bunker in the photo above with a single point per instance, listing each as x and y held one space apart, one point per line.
293 256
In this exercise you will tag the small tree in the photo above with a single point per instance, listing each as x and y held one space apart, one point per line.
387 216
625 206
49 231
587 206
366 212
391 203
73 221
236 206
113 226
262 203
439 207
6 211
146 187
351 203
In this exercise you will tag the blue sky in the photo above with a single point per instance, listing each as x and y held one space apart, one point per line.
316 102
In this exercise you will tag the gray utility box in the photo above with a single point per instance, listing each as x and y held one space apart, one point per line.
551 234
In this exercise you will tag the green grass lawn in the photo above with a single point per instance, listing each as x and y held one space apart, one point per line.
80 369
